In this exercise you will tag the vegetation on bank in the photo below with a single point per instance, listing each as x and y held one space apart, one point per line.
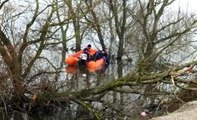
35 37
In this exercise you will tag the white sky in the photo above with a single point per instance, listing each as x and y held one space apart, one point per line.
187 5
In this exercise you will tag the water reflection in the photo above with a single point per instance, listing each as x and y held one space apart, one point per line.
112 105
122 103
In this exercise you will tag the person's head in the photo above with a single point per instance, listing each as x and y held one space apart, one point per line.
85 50
89 46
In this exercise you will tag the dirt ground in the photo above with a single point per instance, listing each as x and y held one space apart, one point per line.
187 112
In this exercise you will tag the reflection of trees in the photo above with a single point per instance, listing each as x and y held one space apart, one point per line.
31 49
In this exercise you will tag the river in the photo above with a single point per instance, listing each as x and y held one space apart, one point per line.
113 105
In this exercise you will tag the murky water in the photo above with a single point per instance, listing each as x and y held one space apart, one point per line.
113 105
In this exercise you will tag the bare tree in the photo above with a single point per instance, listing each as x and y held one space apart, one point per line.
94 21
22 49
158 33
120 22
29 55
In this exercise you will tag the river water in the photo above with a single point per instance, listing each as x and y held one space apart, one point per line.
113 105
